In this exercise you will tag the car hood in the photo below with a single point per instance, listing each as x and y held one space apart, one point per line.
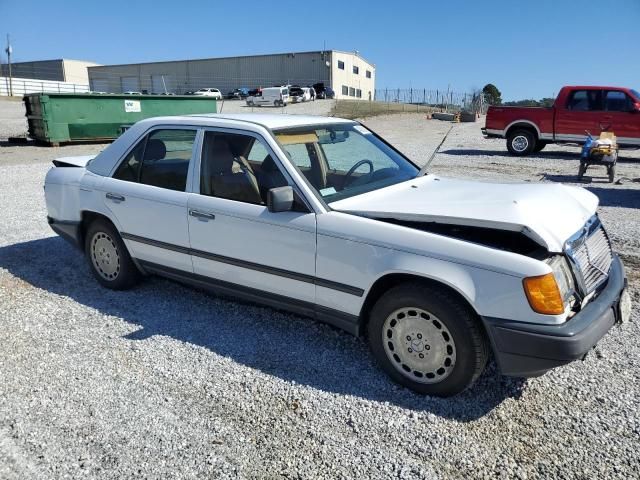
547 213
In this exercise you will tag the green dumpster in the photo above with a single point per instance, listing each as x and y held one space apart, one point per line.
55 118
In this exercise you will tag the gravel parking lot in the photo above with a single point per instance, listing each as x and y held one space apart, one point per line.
166 381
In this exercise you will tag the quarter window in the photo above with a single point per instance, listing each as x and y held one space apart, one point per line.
161 159
238 167
340 64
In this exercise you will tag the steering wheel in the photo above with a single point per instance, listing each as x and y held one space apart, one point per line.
355 167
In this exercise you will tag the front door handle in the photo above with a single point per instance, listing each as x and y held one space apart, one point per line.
115 197
202 215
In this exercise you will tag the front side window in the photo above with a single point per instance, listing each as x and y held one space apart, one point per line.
160 159
585 100
617 101
344 159
238 167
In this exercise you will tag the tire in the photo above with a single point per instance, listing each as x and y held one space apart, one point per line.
109 258
521 142
539 146
456 352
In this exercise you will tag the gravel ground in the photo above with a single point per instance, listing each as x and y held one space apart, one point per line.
166 381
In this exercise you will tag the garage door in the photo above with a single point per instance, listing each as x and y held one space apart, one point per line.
129 84
100 85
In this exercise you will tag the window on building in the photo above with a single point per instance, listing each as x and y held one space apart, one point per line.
345 90
356 70
358 93
340 64
161 159
352 92
368 74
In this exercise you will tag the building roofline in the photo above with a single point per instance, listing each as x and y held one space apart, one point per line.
55 60
234 56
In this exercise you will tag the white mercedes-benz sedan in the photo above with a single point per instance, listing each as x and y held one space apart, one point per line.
323 217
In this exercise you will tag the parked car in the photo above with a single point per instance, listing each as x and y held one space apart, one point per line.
329 93
323 92
576 111
296 94
276 96
209 92
322 217
131 93
237 94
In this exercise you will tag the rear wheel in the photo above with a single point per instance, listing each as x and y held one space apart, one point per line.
521 142
427 340
108 257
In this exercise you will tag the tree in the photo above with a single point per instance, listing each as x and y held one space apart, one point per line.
492 94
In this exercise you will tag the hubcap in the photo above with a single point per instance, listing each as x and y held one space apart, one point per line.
419 345
105 256
520 143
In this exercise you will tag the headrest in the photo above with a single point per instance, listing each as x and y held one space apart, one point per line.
155 150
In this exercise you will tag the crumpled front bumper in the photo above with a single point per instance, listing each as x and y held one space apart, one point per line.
529 350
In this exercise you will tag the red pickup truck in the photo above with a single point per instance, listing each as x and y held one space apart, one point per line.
577 110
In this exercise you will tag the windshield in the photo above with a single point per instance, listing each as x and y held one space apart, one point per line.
344 159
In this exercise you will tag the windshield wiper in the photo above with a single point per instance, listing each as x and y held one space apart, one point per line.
423 170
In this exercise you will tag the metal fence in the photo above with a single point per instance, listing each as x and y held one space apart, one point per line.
21 86
438 100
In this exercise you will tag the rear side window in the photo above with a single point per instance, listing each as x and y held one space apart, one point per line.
617 101
161 159
585 100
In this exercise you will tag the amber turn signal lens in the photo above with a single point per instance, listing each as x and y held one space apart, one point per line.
543 294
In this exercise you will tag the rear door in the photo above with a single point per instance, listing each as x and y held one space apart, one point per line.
147 196
622 118
581 113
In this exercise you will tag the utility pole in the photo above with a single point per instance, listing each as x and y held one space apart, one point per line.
9 50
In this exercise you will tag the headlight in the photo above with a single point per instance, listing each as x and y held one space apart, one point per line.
548 294
563 276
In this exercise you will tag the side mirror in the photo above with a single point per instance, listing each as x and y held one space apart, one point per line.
635 108
280 199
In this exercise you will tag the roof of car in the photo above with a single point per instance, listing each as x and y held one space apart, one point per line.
275 121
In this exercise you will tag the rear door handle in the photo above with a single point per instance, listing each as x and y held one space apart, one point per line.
115 197
202 215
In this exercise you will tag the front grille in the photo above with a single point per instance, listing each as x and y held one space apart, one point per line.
590 252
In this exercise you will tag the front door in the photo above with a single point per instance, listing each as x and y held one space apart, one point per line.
236 241
620 113
147 197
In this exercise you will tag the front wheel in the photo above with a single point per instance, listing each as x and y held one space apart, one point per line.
426 339
108 257
521 142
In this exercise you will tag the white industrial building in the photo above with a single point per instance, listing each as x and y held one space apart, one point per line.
350 75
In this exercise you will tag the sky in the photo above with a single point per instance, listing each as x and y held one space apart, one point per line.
527 48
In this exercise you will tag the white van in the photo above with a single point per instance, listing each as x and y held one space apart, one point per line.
276 96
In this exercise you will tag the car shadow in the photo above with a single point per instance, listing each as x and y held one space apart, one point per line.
617 197
290 347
